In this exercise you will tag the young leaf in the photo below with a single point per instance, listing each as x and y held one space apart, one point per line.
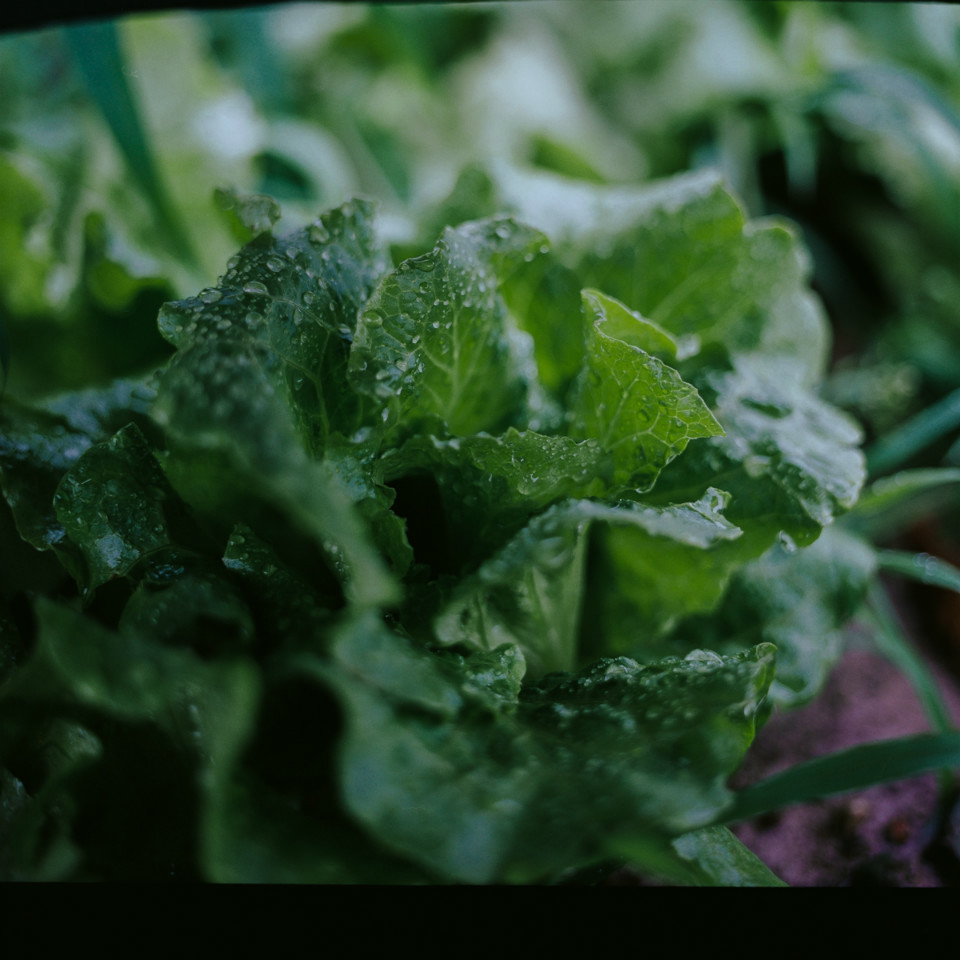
638 408
432 343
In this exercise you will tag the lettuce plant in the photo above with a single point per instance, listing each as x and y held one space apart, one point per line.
480 567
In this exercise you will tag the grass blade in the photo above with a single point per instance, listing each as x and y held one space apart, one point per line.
847 771
910 438
892 503
97 52
921 567
899 651
720 859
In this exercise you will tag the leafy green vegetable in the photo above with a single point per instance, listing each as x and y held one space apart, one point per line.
396 588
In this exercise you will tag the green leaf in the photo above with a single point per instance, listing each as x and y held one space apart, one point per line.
718 859
585 579
627 325
921 567
789 461
848 770
575 770
96 48
154 731
529 594
113 504
795 599
249 215
649 566
681 252
639 409
258 385
897 648
374 501
182 600
39 444
490 486
290 611
22 270
910 438
253 835
890 504
288 306
433 344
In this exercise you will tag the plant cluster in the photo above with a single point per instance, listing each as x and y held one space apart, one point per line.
473 544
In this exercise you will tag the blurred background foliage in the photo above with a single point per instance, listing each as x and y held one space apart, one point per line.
843 116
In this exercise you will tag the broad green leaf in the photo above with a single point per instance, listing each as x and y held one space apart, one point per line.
650 566
39 444
565 598
795 599
182 600
681 252
288 305
529 594
544 296
253 835
81 666
289 610
790 462
637 407
35 827
433 344
114 504
629 326
489 486
374 500
249 215
258 384
156 727
582 764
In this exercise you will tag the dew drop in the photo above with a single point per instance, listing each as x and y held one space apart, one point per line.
211 295
787 542
255 288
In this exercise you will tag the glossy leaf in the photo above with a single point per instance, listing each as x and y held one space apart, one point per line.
488 799
636 406
433 344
